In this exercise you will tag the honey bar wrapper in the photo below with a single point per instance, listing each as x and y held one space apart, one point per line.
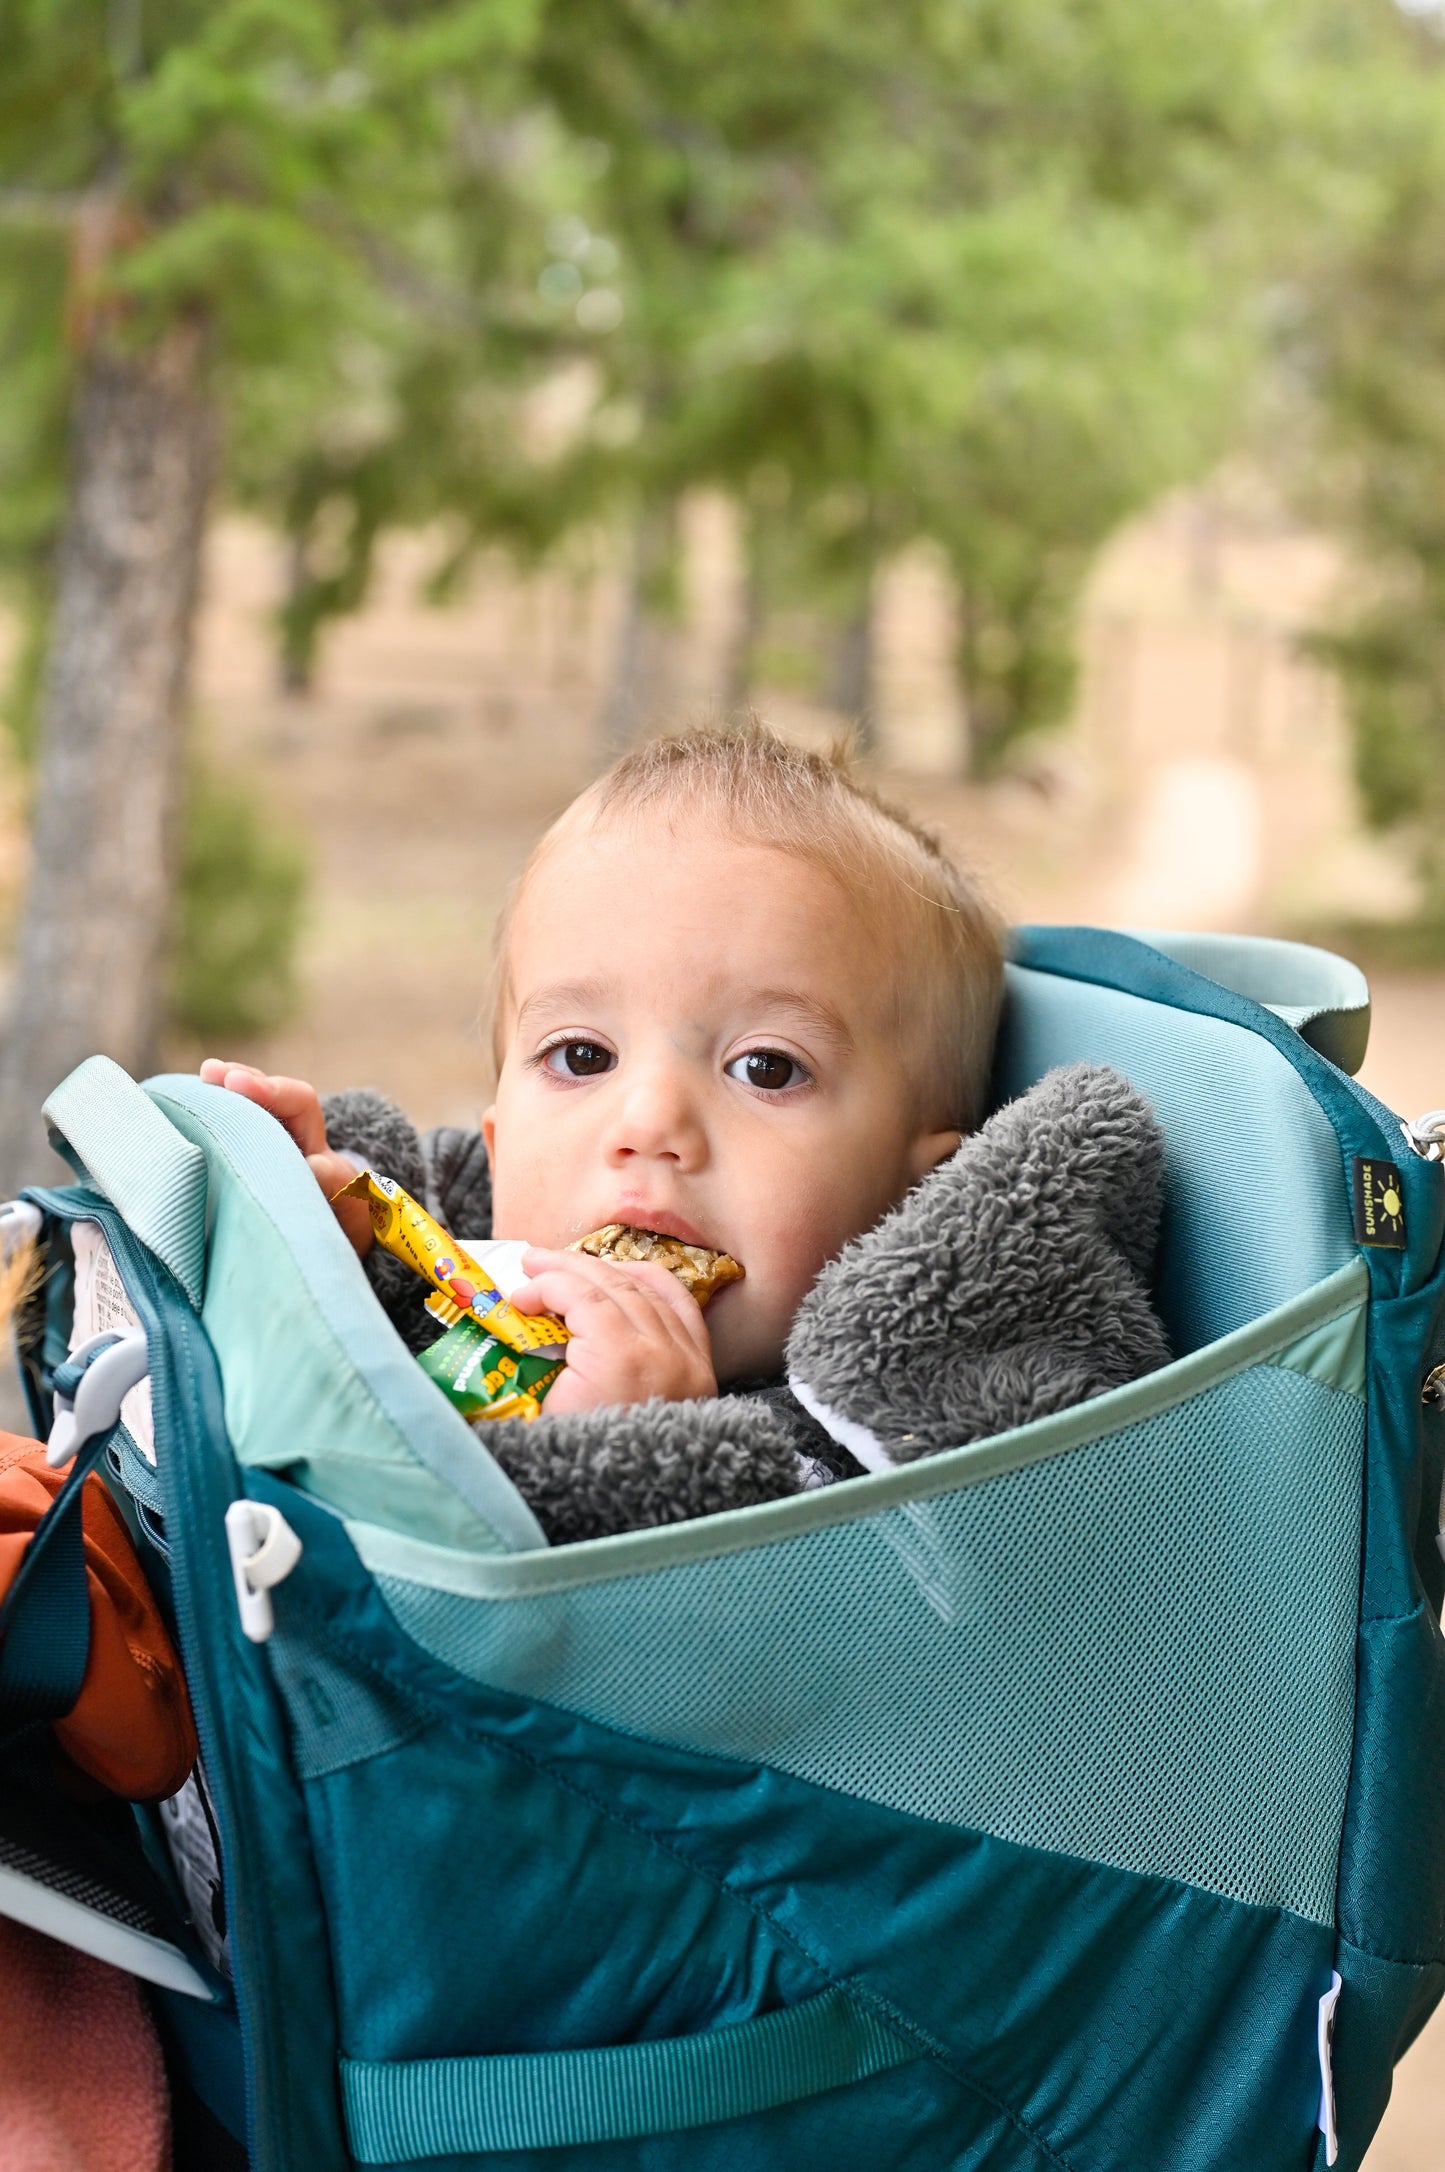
405 1229
484 1378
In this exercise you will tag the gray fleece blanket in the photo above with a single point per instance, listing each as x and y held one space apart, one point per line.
1013 1281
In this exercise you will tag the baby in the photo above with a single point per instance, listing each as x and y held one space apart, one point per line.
738 1001
741 1002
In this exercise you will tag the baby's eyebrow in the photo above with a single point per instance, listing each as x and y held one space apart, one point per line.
822 1017
562 995
581 996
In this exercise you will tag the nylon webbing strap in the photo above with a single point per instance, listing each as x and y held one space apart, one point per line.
45 1619
402 2111
136 1156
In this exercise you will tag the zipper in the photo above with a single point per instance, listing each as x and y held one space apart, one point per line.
139 1278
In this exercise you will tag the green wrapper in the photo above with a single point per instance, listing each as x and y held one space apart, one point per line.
486 1379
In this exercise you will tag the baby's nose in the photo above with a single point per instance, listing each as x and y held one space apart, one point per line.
659 1117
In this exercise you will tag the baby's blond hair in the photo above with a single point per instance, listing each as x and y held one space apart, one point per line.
944 936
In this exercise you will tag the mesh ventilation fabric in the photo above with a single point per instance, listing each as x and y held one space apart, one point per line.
82 1887
1140 1651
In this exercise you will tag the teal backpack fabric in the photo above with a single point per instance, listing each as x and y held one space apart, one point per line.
1015 1808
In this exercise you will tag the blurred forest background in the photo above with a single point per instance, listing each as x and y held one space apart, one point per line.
405 403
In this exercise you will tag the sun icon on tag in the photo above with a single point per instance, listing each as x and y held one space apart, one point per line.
1379 1204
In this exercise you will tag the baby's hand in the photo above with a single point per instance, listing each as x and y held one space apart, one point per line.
635 1330
297 1106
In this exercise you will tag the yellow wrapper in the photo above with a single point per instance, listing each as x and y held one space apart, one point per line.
405 1229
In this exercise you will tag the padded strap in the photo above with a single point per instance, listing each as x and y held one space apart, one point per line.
1325 998
132 1153
398 2112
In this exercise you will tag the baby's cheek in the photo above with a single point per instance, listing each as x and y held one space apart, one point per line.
804 1239
525 1204
784 1273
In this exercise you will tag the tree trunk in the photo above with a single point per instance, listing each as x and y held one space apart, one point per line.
987 722
298 633
852 683
93 945
747 628
642 676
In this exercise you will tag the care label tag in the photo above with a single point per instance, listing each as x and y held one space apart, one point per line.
100 1305
1379 1204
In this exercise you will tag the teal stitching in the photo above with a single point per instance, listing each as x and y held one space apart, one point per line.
1392 1960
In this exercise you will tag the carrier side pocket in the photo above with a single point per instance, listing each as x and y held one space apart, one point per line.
400 2111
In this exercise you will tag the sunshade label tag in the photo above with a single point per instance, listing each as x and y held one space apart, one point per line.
1379 1204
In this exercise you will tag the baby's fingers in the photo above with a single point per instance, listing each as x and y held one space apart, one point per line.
627 1343
683 1312
292 1101
333 1172
568 1296
622 1278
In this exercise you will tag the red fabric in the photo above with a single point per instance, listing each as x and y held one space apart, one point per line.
131 1728
82 2081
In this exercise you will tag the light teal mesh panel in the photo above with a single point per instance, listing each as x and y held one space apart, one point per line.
1140 1651
1258 1207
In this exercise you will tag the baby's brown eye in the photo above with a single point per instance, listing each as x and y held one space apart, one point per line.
766 1068
578 1059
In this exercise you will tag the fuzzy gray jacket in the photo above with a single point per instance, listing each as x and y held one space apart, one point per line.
1012 1281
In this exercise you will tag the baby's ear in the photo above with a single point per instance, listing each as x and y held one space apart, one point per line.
929 1149
489 1133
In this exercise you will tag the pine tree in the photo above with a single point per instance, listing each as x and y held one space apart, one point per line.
234 183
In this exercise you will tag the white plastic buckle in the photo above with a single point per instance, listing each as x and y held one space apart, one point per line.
264 1551
102 1389
1326 2039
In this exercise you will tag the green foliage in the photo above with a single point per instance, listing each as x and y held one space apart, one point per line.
238 919
1365 341
976 275
985 274
20 703
35 376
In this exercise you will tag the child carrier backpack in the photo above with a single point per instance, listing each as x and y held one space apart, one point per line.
1073 1801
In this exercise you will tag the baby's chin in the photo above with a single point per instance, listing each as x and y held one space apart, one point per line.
743 1348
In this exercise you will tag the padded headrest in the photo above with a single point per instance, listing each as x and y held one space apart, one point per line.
1256 1202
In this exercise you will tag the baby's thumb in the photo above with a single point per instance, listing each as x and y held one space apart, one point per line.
333 1172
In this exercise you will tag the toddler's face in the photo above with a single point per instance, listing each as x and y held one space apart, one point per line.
701 1038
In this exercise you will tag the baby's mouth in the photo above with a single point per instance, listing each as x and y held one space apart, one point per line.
658 1222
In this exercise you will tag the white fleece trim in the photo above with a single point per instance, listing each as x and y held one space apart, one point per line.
859 1442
